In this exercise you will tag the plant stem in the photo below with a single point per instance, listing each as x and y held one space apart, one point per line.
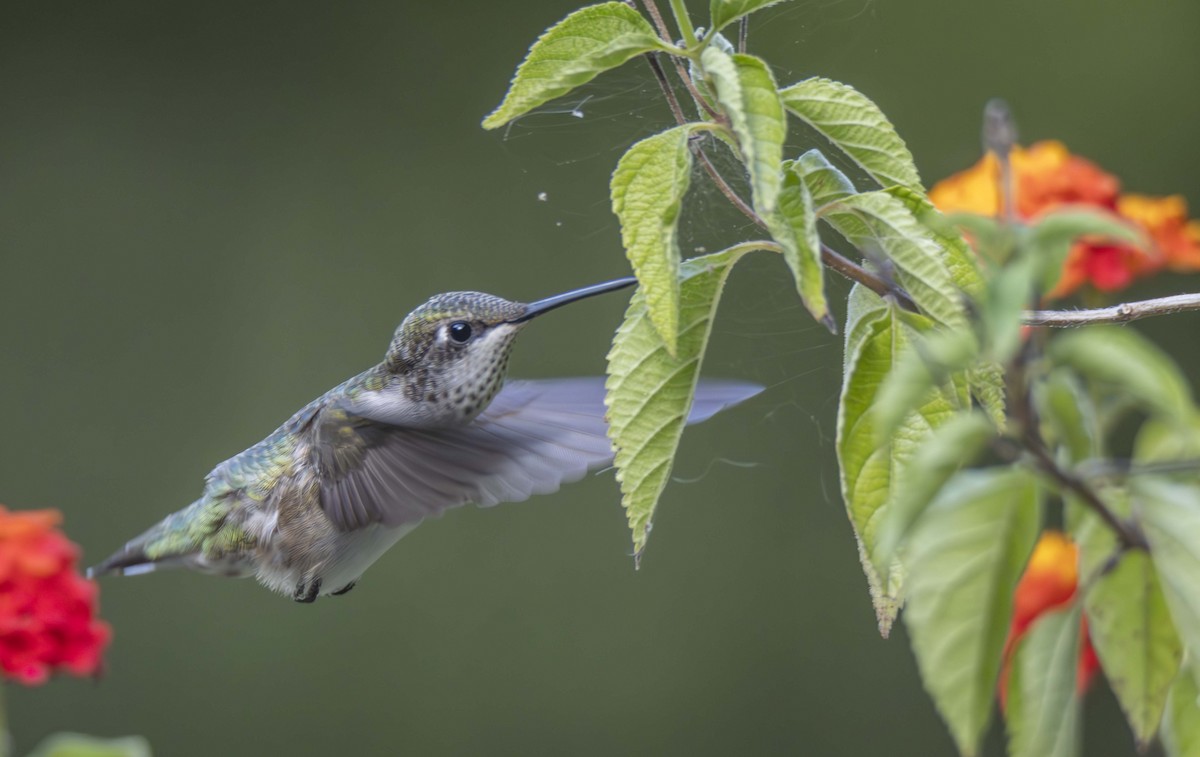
1030 440
684 22
829 257
719 180
1127 533
832 260
665 85
999 138
665 33
1123 313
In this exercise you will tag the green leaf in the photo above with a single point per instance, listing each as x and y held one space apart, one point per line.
950 446
1160 441
1181 722
987 385
875 337
824 181
862 307
574 51
1068 415
650 390
80 745
716 39
1049 241
1007 295
647 192
939 356
746 91
724 12
993 241
878 223
850 120
1120 358
1135 640
964 559
1169 515
1043 703
957 254
1130 626
794 226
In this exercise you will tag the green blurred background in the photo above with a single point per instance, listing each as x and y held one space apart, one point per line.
212 212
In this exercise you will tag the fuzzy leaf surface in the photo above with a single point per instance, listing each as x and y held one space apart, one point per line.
850 120
794 226
724 12
875 340
647 189
949 447
825 181
571 53
879 224
957 254
650 390
937 359
746 91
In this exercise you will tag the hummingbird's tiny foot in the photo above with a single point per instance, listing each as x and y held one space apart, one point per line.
307 592
345 589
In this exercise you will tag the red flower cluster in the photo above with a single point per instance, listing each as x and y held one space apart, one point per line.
1047 177
47 610
1048 583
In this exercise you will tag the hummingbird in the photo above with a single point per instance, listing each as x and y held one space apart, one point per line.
432 427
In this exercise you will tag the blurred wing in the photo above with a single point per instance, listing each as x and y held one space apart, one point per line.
534 437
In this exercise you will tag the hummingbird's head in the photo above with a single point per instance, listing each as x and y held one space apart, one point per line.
453 350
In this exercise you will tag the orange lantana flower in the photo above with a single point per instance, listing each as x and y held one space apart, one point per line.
1166 221
1048 583
1047 176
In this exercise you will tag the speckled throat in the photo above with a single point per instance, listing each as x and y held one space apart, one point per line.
459 384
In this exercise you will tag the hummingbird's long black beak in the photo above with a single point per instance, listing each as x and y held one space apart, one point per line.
534 309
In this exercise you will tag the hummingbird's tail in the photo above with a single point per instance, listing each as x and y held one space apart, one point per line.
176 541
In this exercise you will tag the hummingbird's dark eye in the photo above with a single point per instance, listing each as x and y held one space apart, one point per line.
460 331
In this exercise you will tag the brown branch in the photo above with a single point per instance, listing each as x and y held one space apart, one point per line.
665 33
719 180
657 17
1009 450
665 85
1030 440
829 257
1127 533
1123 313
832 259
